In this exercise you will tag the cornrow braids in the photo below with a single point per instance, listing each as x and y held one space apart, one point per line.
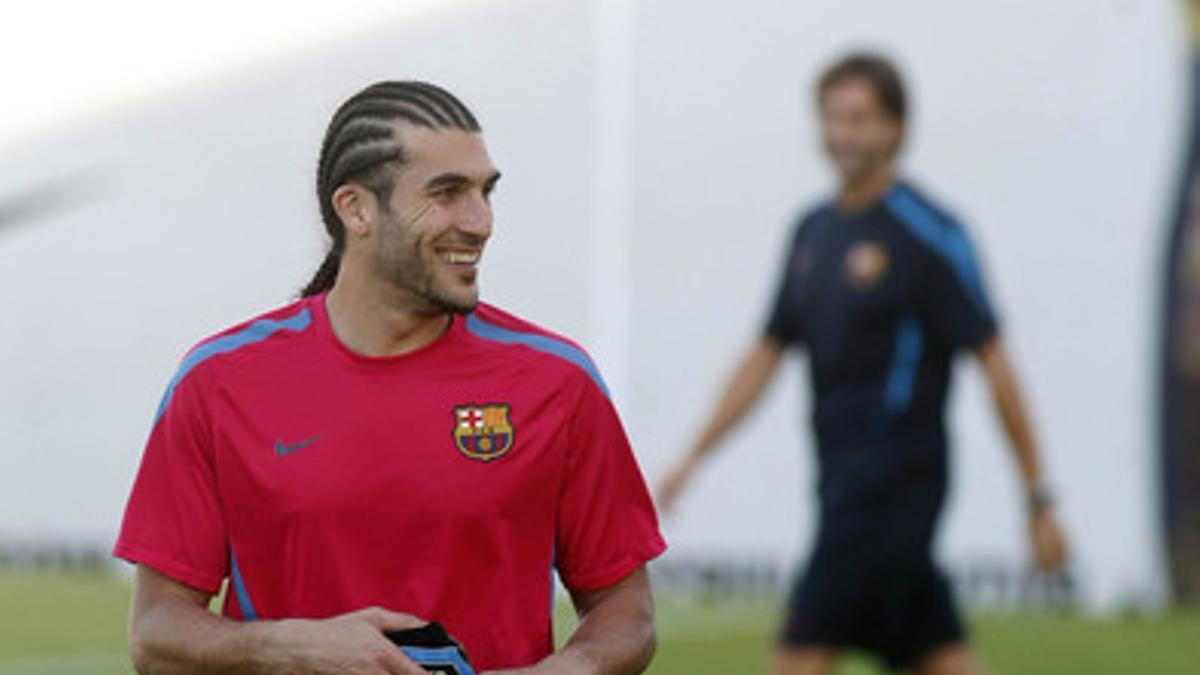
361 145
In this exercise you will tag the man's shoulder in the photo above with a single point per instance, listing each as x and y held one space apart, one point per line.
813 213
913 208
262 332
935 230
256 335
503 330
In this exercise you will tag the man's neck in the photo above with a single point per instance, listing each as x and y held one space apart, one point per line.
867 190
379 319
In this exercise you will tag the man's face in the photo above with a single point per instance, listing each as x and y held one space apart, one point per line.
430 238
858 133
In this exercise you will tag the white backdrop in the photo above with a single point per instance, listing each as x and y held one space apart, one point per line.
1054 129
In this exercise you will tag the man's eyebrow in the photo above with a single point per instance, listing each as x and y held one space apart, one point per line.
446 180
456 180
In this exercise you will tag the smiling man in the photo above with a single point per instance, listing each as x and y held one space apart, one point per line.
388 450
882 290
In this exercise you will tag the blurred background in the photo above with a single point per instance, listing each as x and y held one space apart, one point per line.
156 171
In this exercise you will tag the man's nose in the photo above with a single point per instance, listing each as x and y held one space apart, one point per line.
476 217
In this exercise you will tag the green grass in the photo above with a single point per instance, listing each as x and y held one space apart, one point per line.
65 624
75 624
696 640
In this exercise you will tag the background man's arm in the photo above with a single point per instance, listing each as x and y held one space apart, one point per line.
1045 533
615 635
741 392
172 632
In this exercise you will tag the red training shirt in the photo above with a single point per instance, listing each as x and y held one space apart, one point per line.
449 482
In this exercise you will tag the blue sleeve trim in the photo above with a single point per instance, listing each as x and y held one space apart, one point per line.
255 332
542 343
239 591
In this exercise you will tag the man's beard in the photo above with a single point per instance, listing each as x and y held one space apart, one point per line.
445 304
410 274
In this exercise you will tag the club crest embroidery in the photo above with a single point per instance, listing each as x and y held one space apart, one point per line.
867 263
483 432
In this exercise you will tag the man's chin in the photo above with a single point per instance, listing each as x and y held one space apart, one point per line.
455 303
852 169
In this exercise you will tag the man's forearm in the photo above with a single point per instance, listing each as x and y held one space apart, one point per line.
611 641
181 639
173 633
615 635
742 391
1010 407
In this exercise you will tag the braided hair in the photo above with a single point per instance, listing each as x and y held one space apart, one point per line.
362 145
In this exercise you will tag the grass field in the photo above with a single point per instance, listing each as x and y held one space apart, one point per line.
75 625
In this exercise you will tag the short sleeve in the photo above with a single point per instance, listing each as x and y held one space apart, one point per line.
173 520
784 323
607 526
961 311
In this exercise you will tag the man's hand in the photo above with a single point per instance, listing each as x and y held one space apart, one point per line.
1047 540
348 644
1045 535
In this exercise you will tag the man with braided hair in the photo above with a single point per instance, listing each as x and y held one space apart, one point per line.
388 450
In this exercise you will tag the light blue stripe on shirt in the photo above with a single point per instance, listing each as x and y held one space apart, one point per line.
542 343
946 239
256 332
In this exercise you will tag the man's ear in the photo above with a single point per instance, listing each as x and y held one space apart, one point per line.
357 209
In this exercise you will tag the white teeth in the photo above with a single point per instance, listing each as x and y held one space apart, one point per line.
462 258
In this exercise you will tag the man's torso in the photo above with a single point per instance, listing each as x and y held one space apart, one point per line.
863 295
428 483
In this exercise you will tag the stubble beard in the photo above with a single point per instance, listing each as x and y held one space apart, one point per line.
401 264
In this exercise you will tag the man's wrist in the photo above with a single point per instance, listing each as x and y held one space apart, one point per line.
272 644
1039 499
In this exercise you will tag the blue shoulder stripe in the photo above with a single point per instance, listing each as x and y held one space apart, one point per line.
946 239
542 343
256 332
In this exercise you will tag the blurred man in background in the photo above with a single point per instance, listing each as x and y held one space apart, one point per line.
882 289
389 450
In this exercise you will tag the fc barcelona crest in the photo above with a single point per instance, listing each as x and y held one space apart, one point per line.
483 432
866 264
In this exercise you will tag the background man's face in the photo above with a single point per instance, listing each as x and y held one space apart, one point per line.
858 133
430 239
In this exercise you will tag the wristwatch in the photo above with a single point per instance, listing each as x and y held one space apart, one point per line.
1039 498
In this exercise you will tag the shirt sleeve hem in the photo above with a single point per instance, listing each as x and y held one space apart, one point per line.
616 570
979 337
181 572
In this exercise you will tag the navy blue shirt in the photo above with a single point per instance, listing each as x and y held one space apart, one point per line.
881 299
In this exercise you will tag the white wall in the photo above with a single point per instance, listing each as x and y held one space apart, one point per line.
198 211
1052 128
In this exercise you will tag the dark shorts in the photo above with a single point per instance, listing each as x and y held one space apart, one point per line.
898 607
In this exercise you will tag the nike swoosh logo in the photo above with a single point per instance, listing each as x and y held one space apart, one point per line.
283 450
